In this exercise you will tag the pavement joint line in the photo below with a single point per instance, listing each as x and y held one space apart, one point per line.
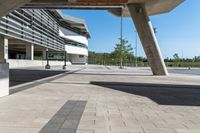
40 81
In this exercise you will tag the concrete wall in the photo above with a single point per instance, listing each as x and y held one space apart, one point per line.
4 79
76 50
65 33
76 59
32 63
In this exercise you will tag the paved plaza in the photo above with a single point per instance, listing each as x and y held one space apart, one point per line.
101 99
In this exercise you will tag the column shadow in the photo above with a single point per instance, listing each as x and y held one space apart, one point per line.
163 94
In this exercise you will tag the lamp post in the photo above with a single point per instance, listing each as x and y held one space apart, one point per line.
121 37
136 42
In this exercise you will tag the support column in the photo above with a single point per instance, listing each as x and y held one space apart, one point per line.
30 51
44 53
3 49
148 38
4 67
4 79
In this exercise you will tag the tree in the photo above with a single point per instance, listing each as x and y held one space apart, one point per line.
122 51
176 59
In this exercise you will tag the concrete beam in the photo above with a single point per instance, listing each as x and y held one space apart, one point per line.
7 6
153 6
3 49
147 36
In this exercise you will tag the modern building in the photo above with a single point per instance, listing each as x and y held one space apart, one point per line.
77 38
26 35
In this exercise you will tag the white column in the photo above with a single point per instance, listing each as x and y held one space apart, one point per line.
3 48
30 51
4 79
147 36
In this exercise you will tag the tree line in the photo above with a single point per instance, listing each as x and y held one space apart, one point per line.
123 55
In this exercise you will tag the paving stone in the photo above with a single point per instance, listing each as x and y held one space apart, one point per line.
73 124
84 102
66 130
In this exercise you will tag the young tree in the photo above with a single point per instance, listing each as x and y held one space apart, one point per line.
176 59
122 51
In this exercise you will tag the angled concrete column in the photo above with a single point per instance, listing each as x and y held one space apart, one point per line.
30 51
148 38
3 49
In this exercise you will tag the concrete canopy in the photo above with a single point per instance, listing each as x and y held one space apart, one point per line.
6 6
153 7
73 22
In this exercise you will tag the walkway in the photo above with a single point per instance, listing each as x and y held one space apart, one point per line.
101 99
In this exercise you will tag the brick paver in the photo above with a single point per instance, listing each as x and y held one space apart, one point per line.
114 104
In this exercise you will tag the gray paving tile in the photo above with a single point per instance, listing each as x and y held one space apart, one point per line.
72 124
116 103
66 119
58 119
50 130
66 130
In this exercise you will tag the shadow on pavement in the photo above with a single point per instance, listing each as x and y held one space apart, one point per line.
179 95
185 71
21 76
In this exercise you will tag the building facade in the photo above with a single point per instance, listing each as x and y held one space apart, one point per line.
26 35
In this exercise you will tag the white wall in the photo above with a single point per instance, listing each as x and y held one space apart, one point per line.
4 79
65 33
75 59
33 63
76 50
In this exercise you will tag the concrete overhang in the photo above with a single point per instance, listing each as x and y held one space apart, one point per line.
74 22
68 21
114 6
69 35
153 7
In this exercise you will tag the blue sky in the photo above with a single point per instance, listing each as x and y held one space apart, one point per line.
178 31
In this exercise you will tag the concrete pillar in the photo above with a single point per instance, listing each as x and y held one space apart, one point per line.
148 38
30 51
3 49
44 53
4 79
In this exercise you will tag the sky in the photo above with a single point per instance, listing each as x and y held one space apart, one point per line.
177 31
